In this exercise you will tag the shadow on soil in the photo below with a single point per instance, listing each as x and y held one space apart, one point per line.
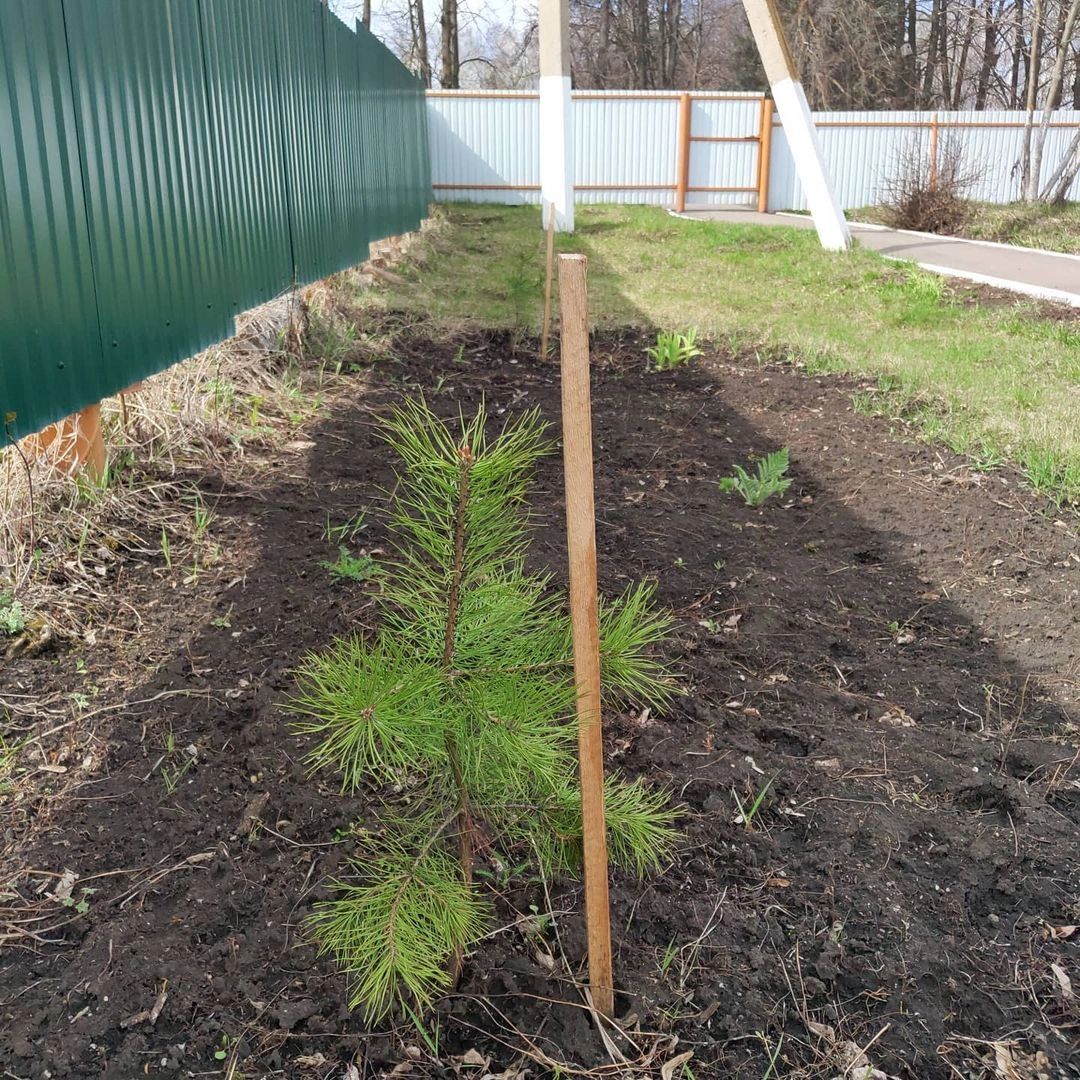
915 850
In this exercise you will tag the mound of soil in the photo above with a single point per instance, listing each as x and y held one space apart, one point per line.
891 647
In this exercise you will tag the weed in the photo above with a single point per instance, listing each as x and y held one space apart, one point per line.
175 763
347 531
748 810
774 1056
223 622
351 567
673 349
12 615
82 905
430 1038
202 520
768 480
9 754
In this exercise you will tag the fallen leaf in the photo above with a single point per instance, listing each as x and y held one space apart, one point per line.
829 764
64 886
896 717
778 883
822 1031
310 1061
1003 1062
667 1070
1060 933
1063 981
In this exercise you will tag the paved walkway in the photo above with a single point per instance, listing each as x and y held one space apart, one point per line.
1044 274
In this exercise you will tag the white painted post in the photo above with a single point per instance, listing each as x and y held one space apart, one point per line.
798 124
556 124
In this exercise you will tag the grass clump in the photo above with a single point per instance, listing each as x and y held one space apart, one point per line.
465 698
672 349
769 479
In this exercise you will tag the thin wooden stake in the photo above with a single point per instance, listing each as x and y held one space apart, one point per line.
581 543
682 159
549 270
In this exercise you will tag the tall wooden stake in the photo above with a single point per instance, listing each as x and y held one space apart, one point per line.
549 270
581 543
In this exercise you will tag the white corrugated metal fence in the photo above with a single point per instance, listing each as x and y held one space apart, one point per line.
628 145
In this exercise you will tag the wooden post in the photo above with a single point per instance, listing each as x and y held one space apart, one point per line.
89 441
764 164
799 130
581 544
73 443
682 160
935 131
548 271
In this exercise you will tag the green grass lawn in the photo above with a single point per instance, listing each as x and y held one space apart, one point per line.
999 383
1036 225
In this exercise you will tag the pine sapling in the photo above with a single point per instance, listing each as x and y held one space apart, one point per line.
458 715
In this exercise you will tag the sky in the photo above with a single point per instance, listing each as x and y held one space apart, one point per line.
503 11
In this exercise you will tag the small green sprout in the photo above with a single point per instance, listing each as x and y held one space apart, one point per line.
770 479
673 349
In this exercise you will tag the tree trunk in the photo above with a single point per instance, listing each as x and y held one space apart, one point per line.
1029 189
1066 26
1064 175
931 53
420 46
965 49
604 45
989 56
365 18
1018 52
450 78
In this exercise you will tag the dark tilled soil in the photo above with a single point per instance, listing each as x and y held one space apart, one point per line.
893 644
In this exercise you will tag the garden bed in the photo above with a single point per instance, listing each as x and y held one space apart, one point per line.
892 646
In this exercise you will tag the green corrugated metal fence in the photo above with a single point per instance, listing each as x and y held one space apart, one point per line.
165 164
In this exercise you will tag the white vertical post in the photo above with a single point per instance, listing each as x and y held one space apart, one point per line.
556 124
798 124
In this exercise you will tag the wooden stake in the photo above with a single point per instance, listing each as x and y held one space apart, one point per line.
764 166
682 152
581 544
90 443
549 270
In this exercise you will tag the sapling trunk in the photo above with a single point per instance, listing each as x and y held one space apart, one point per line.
459 715
466 460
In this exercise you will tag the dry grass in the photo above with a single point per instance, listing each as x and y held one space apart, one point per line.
62 535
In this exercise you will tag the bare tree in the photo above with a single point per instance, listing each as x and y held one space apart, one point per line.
1035 146
450 75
